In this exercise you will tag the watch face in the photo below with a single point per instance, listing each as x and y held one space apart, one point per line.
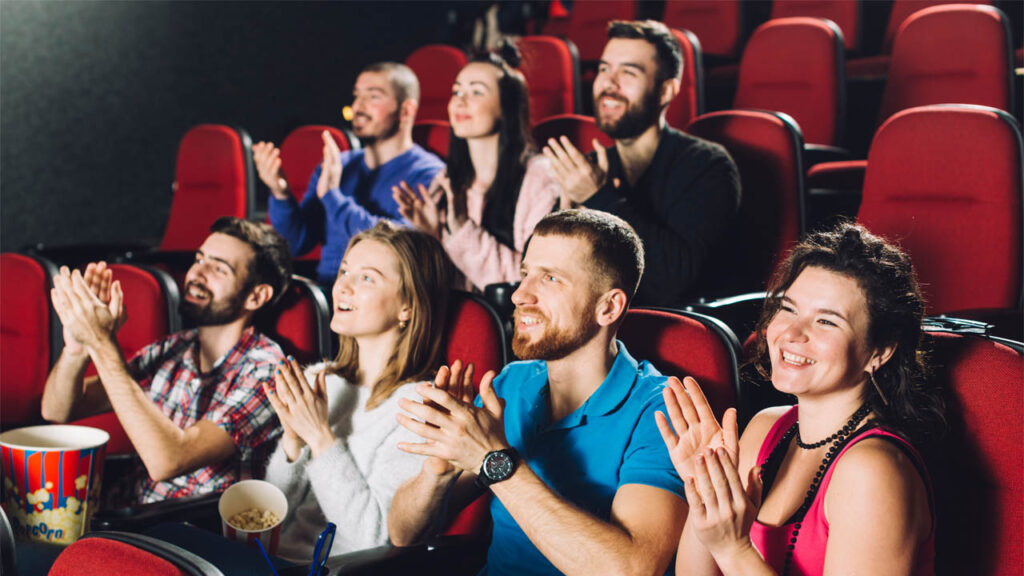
498 466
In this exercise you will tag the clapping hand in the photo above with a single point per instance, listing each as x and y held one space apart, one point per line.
422 209
330 169
694 429
267 158
301 408
579 177
90 307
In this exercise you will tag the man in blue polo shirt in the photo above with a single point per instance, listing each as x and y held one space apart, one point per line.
351 191
566 440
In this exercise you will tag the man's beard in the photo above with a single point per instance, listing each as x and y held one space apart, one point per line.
554 344
389 130
634 120
213 313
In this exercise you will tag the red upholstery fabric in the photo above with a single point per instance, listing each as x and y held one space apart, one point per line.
903 9
846 175
717 23
301 152
845 13
300 322
550 67
950 54
767 149
588 24
682 344
436 66
795 65
689 103
581 131
24 338
433 136
210 181
981 504
945 183
98 556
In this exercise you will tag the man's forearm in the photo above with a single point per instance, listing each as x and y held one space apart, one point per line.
65 387
416 506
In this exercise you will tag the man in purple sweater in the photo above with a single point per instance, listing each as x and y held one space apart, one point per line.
351 191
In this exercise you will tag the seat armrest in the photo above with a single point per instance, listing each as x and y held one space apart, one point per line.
739 312
815 154
446 555
198 510
842 175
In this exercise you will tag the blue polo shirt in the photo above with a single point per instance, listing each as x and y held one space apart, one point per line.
610 441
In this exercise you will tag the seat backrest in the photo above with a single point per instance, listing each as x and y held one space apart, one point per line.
717 23
474 334
433 136
767 148
945 183
902 9
979 484
588 24
845 13
689 103
796 66
300 322
30 336
214 177
301 152
688 344
436 66
581 131
133 554
552 71
951 54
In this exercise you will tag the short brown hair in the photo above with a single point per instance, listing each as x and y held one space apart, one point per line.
670 54
403 80
616 251
272 262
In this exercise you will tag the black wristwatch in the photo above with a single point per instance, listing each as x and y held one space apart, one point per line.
498 465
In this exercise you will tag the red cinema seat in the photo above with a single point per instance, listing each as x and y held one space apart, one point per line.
552 70
214 177
301 152
581 131
846 14
587 25
436 66
717 23
945 183
97 553
689 103
795 66
979 488
688 344
300 322
433 136
30 337
767 148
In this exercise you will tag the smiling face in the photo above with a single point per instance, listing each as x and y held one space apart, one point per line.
368 292
626 91
215 284
374 107
556 299
475 106
817 341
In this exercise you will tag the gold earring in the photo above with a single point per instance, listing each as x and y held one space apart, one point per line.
871 376
402 324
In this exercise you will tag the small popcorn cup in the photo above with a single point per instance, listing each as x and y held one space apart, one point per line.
249 495
51 480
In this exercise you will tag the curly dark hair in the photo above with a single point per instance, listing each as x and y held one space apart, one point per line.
895 310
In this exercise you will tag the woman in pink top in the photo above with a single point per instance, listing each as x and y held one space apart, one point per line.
831 485
496 188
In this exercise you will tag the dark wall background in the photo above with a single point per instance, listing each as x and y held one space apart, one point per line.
95 96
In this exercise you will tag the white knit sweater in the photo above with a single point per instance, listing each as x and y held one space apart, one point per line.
353 482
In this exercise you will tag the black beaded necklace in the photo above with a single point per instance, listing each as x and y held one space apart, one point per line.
774 462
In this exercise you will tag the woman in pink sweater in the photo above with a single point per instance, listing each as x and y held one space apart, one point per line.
496 188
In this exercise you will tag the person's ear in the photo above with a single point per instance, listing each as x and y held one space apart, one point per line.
880 357
611 306
407 112
669 90
259 296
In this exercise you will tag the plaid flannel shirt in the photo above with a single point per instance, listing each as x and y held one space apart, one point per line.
230 395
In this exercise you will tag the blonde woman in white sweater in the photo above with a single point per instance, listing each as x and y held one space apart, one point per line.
337 460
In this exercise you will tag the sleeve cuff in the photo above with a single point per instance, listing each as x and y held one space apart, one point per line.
605 199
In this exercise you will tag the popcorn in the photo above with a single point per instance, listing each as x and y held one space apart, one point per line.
254 520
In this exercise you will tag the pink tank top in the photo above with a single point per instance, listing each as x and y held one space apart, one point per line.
809 553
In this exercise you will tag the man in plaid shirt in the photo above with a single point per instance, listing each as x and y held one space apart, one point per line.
192 403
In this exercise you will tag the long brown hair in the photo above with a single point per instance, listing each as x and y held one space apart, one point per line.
425 279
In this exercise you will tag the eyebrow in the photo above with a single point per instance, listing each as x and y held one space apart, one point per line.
364 268
370 89
216 259
633 65
828 311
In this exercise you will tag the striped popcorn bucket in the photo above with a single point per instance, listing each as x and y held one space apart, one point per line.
254 497
51 480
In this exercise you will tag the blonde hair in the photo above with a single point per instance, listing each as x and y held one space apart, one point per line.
425 279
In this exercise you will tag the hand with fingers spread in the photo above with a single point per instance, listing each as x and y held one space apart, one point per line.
267 158
423 209
98 278
578 176
301 408
693 429
459 385
455 430
330 169
721 509
88 320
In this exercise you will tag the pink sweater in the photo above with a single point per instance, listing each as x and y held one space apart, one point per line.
480 257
